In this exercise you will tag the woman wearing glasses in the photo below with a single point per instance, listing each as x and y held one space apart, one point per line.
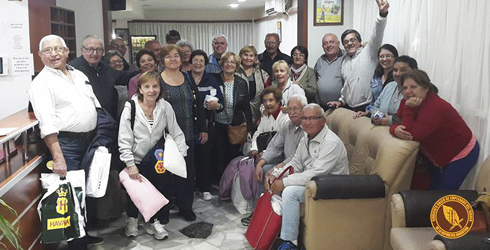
114 59
181 93
146 62
212 98
303 75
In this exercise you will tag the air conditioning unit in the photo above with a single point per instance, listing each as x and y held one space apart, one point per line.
273 7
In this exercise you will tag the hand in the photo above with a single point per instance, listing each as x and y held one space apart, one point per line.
134 173
277 186
252 154
401 133
334 104
211 105
203 137
414 102
383 7
259 173
360 113
280 165
381 121
269 179
284 110
59 167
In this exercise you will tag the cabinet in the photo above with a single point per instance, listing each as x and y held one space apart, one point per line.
63 24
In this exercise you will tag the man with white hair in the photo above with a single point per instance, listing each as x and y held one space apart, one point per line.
320 152
64 104
220 45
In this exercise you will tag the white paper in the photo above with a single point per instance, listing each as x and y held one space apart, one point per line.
22 65
16 35
5 131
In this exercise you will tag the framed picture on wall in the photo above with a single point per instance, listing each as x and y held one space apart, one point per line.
328 12
138 43
122 33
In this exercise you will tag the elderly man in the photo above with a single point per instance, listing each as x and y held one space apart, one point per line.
172 37
120 45
360 62
156 47
220 45
272 54
101 77
64 104
319 152
282 147
328 69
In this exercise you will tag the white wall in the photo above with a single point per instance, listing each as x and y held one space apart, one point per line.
88 18
316 33
200 15
289 32
13 90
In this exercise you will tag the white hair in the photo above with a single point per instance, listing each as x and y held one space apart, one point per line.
300 98
218 36
94 37
51 38
314 106
182 43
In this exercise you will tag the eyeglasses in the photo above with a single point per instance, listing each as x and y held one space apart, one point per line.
311 118
294 110
120 46
352 40
299 55
229 63
219 43
91 50
55 49
201 61
271 42
116 61
386 56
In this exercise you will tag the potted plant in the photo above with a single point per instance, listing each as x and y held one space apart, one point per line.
8 231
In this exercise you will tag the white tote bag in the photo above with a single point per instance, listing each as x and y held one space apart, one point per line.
98 174
173 160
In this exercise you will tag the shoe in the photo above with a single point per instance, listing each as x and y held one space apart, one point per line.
131 227
207 196
287 245
157 230
93 241
173 209
187 214
245 221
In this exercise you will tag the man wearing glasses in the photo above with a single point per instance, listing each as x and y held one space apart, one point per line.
319 152
120 45
101 76
359 63
220 45
64 104
272 54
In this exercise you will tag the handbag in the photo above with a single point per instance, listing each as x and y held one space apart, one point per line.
237 134
266 223
98 176
264 139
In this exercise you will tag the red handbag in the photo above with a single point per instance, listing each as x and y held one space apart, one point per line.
265 224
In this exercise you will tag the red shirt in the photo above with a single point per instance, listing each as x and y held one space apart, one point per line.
438 127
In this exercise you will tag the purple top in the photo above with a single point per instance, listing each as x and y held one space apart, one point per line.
133 85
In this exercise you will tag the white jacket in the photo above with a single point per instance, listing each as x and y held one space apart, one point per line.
268 124
134 145
358 70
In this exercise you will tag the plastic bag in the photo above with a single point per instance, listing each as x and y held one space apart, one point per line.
98 174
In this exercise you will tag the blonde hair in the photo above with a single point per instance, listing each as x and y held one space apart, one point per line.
146 77
227 55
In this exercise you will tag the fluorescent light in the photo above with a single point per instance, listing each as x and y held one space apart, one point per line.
233 5
242 0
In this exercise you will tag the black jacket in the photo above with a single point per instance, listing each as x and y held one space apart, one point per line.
103 80
241 102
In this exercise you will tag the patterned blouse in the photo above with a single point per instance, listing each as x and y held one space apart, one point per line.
181 99
226 116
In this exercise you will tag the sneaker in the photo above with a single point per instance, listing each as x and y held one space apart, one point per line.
207 196
173 209
131 227
157 230
287 245
187 214
245 221
93 241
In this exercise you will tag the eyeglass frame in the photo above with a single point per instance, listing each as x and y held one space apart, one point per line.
116 61
56 49
92 50
311 118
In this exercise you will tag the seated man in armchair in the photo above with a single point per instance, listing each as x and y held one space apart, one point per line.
319 152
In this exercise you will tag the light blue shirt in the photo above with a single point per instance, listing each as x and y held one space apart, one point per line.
388 101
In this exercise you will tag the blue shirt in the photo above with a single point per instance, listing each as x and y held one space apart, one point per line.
213 65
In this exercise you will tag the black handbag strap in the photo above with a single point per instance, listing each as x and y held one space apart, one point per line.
133 113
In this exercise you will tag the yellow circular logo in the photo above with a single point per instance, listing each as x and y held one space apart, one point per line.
452 216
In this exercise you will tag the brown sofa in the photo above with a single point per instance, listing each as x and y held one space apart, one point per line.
412 229
353 211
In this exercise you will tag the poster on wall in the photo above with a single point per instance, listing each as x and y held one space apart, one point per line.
16 34
122 33
328 12
138 43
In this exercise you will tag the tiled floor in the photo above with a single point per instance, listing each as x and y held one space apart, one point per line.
228 232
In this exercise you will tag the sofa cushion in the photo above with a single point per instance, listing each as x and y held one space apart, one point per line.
404 238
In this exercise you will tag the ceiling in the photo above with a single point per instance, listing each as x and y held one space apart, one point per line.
196 4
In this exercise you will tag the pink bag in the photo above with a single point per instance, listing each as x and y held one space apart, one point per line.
144 195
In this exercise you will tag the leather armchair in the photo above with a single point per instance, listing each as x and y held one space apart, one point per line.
353 211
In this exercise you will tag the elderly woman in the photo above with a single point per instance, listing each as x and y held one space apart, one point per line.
303 75
187 48
181 93
146 62
272 122
283 82
114 59
236 111
209 94
386 106
153 116
443 135
383 74
254 76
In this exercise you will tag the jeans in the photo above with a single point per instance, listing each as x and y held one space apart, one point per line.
260 185
292 197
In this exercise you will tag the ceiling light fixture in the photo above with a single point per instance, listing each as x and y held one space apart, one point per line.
242 0
233 5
